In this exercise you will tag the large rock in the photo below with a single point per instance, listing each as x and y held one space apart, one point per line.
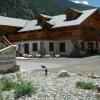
8 60
63 73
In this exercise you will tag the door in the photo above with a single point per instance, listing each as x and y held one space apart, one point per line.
26 48
62 47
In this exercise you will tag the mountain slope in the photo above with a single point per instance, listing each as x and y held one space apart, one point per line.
28 8
79 6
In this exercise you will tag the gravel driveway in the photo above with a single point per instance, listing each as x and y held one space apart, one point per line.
80 65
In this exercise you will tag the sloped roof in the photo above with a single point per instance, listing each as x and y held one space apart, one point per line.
31 25
59 21
46 16
12 21
78 11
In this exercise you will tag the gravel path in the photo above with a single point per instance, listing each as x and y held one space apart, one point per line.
80 65
53 88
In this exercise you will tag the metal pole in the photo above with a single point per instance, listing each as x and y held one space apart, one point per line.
46 71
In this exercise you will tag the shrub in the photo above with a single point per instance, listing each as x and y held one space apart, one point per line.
85 85
6 84
24 88
21 87
2 45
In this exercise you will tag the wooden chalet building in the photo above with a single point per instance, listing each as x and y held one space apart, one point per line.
73 33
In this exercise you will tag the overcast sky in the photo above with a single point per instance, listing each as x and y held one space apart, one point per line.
90 2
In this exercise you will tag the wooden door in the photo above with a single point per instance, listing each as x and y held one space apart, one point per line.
26 48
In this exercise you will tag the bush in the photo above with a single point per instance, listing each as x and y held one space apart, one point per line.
85 85
21 87
2 45
24 88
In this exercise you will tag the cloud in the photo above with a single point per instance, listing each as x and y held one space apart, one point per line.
84 2
77 1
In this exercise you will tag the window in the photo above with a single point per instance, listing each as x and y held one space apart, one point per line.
62 47
51 46
26 48
34 47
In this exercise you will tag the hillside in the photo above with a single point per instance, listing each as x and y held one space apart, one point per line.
27 9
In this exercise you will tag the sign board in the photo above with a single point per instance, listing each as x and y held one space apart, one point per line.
7 58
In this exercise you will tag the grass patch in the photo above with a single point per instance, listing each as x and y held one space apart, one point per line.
21 87
85 85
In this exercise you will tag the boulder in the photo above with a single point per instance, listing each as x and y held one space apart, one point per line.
95 76
63 73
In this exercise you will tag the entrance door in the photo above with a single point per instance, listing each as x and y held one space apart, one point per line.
26 48
62 47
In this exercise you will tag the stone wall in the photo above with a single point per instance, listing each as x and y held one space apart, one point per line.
8 59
